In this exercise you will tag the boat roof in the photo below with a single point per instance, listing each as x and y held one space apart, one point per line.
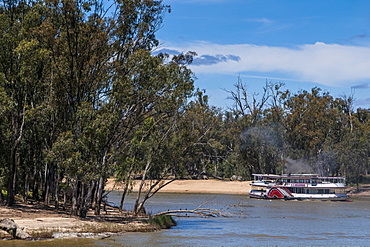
295 176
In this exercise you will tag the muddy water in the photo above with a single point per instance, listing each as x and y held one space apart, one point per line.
251 223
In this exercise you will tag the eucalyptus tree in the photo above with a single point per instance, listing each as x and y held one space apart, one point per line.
104 86
147 99
200 132
78 41
353 151
4 140
22 80
108 85
315 123
258 119
82 79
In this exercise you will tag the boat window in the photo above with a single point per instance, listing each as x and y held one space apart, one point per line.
323 191
299 190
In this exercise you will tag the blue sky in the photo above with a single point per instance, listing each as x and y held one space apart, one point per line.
304 44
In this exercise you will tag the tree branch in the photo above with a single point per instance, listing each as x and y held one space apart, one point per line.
204 212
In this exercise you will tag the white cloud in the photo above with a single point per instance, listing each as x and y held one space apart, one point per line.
326 64
260 20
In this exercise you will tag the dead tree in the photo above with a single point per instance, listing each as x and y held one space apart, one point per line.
199 211
204 212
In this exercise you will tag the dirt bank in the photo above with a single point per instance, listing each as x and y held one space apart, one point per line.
40 221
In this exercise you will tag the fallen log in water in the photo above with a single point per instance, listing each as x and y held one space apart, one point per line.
205 212
13 229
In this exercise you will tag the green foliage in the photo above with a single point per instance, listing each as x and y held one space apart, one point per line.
78 90
312 129
82 97
163 221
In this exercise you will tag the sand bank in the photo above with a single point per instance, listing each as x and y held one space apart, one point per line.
221 187
195 186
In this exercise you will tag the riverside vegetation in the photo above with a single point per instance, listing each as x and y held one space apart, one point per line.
84 96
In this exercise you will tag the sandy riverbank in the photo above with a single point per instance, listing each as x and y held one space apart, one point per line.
195 186
221 187
42 221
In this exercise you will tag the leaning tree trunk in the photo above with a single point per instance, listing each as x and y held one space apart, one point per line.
100 187
127 184
123 196
138 206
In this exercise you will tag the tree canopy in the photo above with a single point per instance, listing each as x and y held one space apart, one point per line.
83 98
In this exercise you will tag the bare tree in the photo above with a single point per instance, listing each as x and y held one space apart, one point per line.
244 104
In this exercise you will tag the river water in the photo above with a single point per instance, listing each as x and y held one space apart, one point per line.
251 222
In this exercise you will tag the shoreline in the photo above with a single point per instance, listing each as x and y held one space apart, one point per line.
213 186
193 186
44 222
38 219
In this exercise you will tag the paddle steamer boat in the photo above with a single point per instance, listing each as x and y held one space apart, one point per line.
298 186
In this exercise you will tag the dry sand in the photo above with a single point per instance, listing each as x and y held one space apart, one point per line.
36 218
195 186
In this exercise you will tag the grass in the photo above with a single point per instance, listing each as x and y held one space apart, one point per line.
163 221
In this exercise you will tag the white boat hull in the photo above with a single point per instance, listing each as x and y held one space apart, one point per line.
295 196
